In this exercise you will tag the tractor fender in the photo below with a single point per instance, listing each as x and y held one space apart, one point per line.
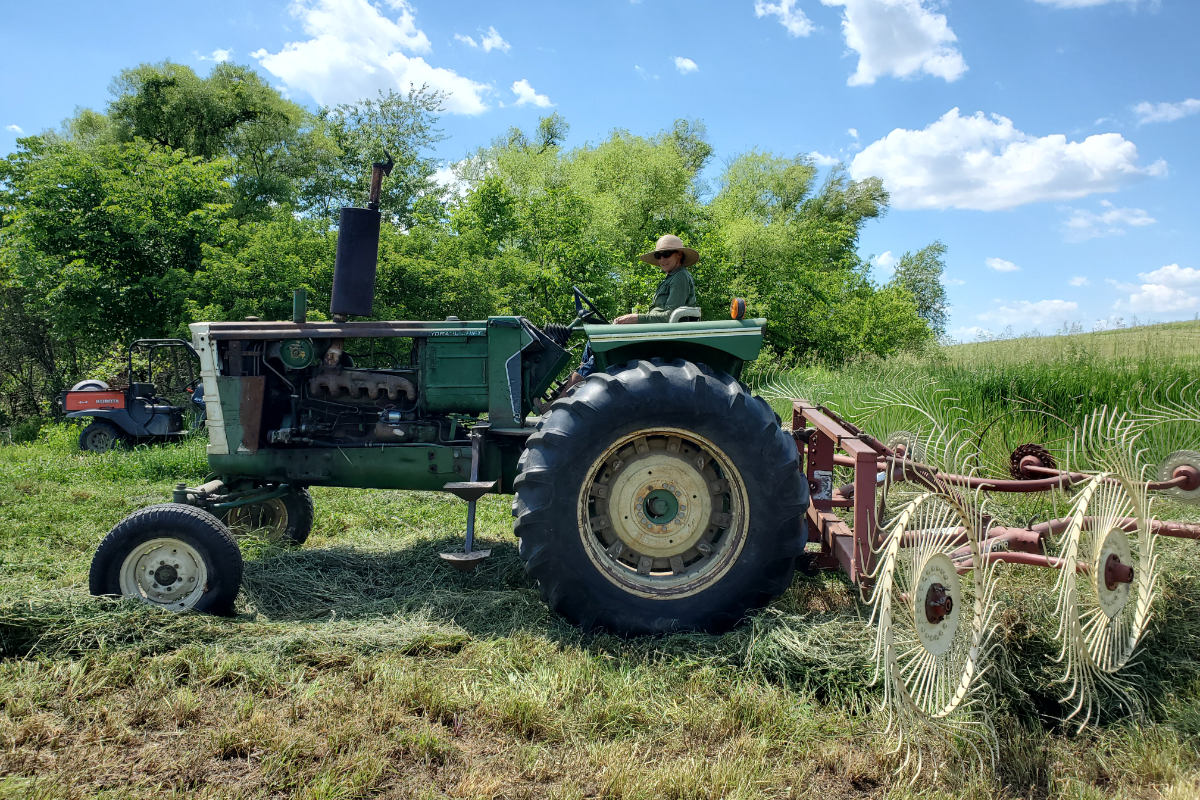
724 345
117 416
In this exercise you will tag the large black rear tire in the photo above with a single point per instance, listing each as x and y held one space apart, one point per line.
173 556
660 497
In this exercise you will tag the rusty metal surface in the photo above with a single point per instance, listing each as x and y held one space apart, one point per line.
831 435
356 383
250 410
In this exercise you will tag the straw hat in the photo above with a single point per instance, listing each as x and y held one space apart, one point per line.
671 242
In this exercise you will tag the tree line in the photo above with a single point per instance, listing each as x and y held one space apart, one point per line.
212 198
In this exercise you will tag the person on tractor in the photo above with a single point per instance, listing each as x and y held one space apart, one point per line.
677 289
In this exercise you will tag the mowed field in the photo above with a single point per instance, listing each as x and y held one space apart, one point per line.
360 666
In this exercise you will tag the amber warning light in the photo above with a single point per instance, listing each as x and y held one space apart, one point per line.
737 309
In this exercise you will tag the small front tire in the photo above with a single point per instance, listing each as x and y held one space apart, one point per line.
100 437
173 556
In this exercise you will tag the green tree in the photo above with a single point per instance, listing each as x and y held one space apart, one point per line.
359 134
921 274
233 113
104 239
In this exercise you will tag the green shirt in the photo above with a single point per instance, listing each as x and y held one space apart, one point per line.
677 289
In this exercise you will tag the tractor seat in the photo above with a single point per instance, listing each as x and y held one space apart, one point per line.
685 314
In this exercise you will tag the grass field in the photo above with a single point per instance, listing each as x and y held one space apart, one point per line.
359 666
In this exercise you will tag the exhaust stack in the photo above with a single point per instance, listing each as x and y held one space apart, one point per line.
358 252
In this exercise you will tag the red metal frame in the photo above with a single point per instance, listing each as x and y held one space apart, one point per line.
824 441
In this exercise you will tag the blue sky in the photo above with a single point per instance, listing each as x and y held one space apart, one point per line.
1051 144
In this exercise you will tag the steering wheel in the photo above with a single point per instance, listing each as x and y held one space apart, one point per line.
582 313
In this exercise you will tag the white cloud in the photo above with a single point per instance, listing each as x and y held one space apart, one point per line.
1079 280
824 160
790 17
492 41
1083 224
685 65
972 332
900 38
1165 290
1166 112
1000 265
14 128
987 164
886 261
952 281
527 96
1024 313
354 51
1085 3
488 41
853 132
218 56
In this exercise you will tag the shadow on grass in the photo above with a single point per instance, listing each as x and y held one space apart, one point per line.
497 599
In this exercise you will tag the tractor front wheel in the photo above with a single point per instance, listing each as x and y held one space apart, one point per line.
660 497
173 556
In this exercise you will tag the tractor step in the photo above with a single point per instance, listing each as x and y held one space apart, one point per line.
465 562
470 490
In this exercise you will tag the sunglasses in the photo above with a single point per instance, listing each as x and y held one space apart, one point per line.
659 255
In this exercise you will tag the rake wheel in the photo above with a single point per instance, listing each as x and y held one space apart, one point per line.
933 625
1104 606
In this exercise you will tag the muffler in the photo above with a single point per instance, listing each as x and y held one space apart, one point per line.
358 252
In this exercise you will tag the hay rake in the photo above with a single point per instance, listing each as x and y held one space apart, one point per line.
912 530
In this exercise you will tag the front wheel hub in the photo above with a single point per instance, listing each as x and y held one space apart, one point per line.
165 572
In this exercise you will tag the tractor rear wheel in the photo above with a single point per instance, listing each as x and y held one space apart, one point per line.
173 556
100 437
658 497
286 520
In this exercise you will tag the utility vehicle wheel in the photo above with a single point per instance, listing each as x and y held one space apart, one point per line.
174 556
285 520
660 497
100 437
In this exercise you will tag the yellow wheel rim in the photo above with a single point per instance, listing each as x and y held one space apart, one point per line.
663 513
269 519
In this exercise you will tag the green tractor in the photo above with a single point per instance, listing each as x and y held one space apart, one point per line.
658 495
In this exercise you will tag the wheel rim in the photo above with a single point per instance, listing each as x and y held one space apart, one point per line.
101 440
269 517
165 572
663 513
